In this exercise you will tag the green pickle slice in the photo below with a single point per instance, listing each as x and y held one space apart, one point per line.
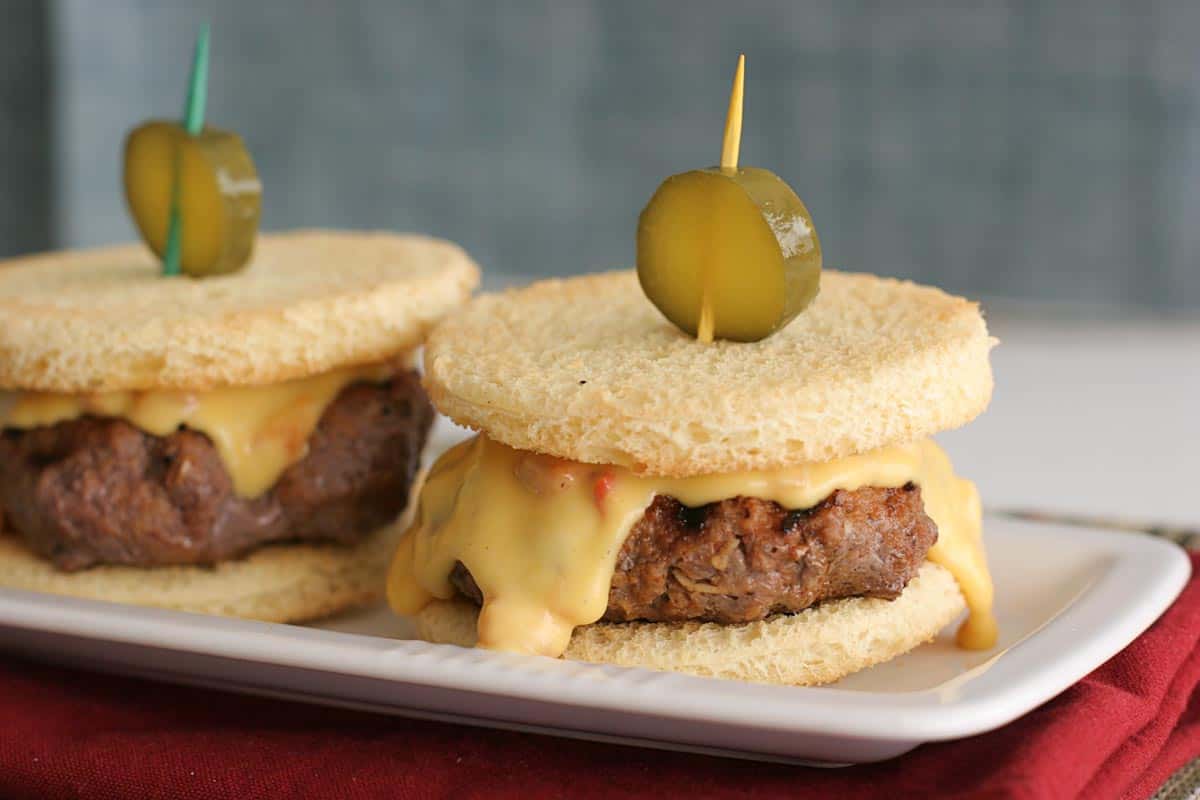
219 194
740 241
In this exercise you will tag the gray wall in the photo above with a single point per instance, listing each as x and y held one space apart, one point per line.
1041 150
25 106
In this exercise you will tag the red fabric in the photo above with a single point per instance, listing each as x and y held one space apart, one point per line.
1118 733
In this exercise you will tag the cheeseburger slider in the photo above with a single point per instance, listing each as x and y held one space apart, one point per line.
720 465
770 511
235 444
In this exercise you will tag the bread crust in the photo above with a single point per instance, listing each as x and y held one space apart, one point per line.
310 301
587 369
818 645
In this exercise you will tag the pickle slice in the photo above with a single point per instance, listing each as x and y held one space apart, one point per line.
219 194
737 244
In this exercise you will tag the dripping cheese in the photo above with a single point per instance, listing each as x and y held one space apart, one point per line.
540 535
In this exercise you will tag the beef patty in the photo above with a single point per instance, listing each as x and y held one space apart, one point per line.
744 559
100 491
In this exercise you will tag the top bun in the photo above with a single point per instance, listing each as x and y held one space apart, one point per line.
308 301
587 369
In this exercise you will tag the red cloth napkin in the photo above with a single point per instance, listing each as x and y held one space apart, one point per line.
1120 732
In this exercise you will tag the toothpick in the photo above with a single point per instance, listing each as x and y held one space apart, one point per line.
730 147
704 327
733 119
197 96
193 123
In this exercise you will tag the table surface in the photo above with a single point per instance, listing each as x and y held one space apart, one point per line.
1090 417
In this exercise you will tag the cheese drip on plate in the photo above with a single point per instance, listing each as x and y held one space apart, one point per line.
259 431
540 535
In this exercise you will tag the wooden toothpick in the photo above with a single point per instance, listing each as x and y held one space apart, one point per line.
193 123
733 119
730 146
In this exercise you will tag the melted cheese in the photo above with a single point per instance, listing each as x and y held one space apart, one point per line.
259 431
540 535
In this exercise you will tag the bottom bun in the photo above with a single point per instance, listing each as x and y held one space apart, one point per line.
817 645
276 583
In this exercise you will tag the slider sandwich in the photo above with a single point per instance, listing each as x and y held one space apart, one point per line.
770 510
719 465
238 444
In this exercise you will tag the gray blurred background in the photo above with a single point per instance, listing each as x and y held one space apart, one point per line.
1043 151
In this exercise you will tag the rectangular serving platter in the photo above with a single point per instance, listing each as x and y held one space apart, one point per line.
1068 599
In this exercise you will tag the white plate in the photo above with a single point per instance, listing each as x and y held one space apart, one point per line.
1068 599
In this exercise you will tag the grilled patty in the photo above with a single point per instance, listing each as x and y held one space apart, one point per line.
100 491
743 559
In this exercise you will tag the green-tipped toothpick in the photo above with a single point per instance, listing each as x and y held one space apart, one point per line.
193 123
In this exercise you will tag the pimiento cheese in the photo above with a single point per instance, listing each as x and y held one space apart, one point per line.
540 535
258 431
